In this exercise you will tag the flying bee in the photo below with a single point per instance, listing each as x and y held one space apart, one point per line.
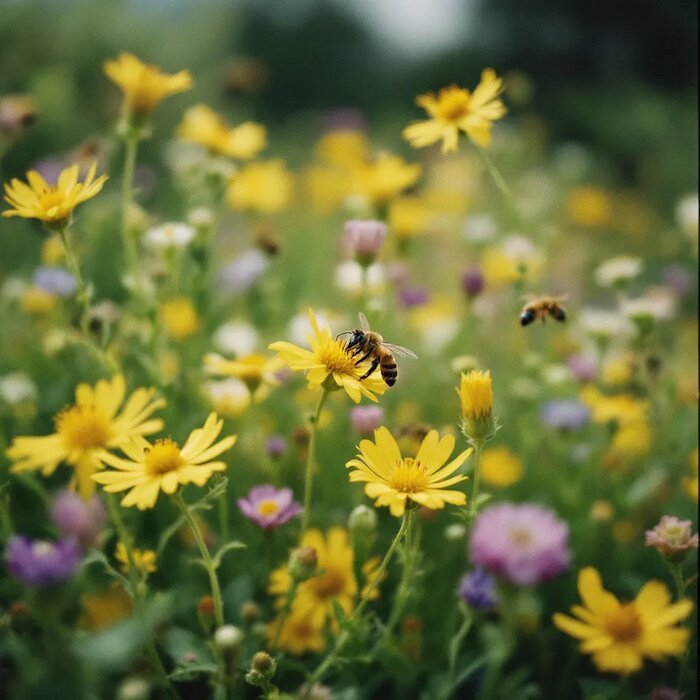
368 344
541 308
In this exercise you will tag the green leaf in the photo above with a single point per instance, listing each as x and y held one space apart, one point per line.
168 534
187 673
97 557
225 548
645 487
338 612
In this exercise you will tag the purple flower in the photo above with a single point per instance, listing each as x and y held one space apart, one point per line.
473 281
41 563
565 414
364 238
78 518
583 367
269 507
243 272
275 446
478 589
413 296
364 419
679 279
523 543
56 280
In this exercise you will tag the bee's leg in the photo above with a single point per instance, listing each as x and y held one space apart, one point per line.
373 366
362 359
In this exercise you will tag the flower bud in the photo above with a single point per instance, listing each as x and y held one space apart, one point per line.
262 669
472 282
455 532
478 590
228 638
363 239
476 398
303 563
362 521
275 446
134 688
250 612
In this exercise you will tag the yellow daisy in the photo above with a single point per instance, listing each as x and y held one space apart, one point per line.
385 177
53 204
455 109
619 636
329 358
263 186
313 604
254 369
392 479
86 430
164 465
144 85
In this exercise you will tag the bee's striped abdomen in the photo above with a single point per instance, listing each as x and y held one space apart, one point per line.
389 370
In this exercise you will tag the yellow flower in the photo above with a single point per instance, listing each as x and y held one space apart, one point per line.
254 369
620 636
313 605
144 85
621 408
329 358
85 431
164 465
204 126
476 394
408 217
263 186
455 109
590 207
393 479
37 301
632 440
52 251
179 318
343 148
501 467
102 610
144 559
53 204
327 188
690 483
385 177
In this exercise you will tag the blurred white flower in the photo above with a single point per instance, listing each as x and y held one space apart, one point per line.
229 397
13 288
605 325
617 271
169 235
237 338
480 228
243 272
201 217
556 374
687 213
536 193
350 276
525 389
658 303
16 387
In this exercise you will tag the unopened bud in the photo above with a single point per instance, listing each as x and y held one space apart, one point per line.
455 532
262 669
250 612
134 689
228 638
362 520
303 563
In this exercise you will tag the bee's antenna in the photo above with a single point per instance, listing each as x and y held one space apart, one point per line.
343 333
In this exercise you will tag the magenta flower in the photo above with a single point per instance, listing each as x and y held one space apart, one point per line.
78 518
522 543
269 507
40 563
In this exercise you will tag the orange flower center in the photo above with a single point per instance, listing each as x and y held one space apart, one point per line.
408 476
453 104
330 584
268 507
163 457
624 624
83 428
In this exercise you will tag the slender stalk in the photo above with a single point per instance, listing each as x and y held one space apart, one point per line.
498 179
137 592
291 594
676 569
131 144
473 506
206 558
344 636
83 294
311 464
453 652
405 583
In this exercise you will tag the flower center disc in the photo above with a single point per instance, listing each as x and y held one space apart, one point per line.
330 584
408 476
453 105
624 624
83 428
521 537
268 507
336 359
163 457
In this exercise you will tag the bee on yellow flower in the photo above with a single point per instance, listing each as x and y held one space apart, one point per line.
144 85
454 110
204 126
52 204
164 465
618 635
87 430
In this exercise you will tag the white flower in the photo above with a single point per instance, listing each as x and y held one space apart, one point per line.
350 277
16 387
229 397
658 303
605 325
201 217
13 288
480 228
169 235
556 374
687 213
618 270
237 338
241 273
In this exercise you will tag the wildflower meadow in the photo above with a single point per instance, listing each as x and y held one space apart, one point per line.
327 408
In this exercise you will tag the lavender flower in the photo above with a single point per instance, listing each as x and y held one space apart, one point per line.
364 419
269 507
583 367
80 519
565 414
413 296
478 589
523 543
364 238
243 272
56 280
275 446
679 279
672 538
473 281
40 563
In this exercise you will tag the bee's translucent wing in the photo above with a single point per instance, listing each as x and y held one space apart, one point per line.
400 350
364 323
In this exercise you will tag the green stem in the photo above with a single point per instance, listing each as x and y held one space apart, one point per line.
131 149
311 464
83 294
499 181
405 583
676 569
344 636
206 558
473 506
453 652
137 592
291 594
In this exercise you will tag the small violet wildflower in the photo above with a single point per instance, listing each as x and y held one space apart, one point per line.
39 563
77 518
478 589
268 506
565 414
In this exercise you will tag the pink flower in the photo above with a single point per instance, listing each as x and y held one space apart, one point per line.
364 419
269 507
78 518
672 537
363 239
523 543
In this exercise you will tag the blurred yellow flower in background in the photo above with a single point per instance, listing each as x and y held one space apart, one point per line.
144 559
454 110
263 186
409 217
690 483
36 301
384 177
619 636
590 207
144 85
179 318
102 610
343 148
53 204
86 430
501 467
254 369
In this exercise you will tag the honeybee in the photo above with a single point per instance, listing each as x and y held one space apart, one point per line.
541 308
369 344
